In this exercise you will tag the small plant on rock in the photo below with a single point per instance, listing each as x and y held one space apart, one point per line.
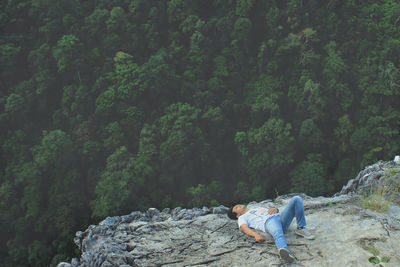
376 200
375 259
278 199
373 250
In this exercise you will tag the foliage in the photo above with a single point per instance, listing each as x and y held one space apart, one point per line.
376 259
310 177
205 194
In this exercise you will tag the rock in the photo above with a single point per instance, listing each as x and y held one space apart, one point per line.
220 210
187 214
75 262
215 240
166 210
397 159
345 233
132 216
64 264
110 221
175 212
379 175
206 210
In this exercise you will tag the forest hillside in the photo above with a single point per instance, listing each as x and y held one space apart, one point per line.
112 106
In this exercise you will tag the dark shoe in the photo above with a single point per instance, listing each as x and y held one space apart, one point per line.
285 255
303 231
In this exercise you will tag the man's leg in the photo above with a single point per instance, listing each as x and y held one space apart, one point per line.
274 227
293 208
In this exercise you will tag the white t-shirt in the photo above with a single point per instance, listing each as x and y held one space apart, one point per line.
255 218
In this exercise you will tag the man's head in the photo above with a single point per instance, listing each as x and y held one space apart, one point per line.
237 210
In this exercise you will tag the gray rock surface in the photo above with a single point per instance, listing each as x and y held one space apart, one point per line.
385 174
345 233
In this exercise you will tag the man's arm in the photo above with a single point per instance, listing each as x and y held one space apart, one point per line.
251 233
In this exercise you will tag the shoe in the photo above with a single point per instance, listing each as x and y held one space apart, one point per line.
285 255
303 231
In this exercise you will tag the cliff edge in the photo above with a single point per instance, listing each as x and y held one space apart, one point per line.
348 232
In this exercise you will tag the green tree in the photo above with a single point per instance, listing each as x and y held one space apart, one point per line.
266 152
309 99
113 136
343 131
264 98
65 198
310 136
334 70
309 177
10 55
183 150
243 7
113 189
205 194
66 53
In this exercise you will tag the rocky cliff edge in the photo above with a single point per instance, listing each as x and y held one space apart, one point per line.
348 233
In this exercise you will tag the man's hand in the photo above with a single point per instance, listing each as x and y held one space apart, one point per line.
273 211
251 233
259 238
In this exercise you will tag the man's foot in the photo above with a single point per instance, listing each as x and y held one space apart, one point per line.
303 231
285 255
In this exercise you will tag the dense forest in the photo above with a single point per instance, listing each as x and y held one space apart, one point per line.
112 106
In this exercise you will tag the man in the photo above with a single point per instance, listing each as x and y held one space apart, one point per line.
272 222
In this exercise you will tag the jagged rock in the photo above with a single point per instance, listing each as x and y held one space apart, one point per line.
397 159
187 214
345 233
110 220
220 210
131 217
381 174
75 262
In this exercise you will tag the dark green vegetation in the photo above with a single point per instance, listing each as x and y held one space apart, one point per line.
112 106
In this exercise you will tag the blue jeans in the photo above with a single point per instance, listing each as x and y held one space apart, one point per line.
278 225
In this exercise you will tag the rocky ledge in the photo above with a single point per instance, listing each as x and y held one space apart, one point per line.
347 234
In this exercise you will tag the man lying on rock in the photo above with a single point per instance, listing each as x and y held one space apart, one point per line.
272 222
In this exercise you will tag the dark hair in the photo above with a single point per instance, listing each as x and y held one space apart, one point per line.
232 214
